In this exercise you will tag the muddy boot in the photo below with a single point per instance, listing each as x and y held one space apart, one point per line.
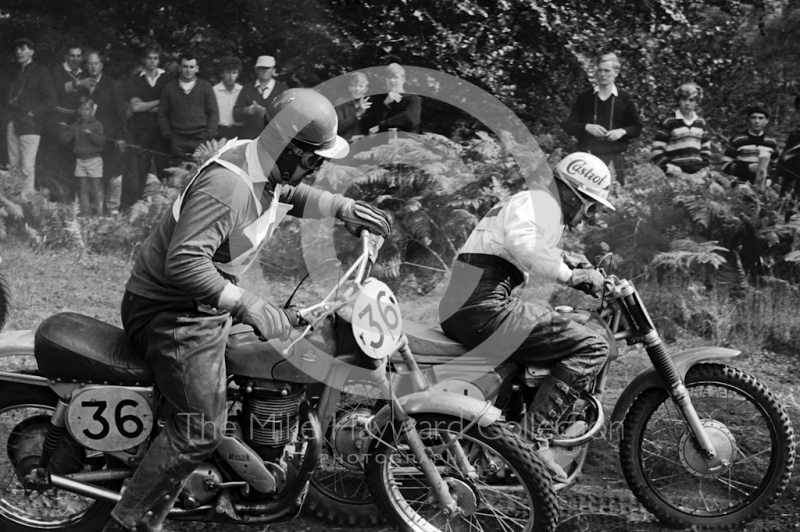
552 400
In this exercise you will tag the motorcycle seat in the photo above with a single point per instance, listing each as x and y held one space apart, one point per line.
71 347
430 344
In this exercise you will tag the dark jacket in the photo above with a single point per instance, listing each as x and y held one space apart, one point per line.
614 113
349 121
30 99
86 137
145 124
110 112
67 100
405 115
254 124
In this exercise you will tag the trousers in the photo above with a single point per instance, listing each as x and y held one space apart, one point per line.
504 328
186 350
22 151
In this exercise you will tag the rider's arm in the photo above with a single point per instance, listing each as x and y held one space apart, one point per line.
310 202
531 239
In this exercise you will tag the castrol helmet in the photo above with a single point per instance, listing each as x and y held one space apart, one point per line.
587 175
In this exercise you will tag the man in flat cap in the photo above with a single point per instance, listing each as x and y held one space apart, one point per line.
256 96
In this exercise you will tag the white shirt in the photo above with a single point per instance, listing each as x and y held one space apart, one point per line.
688 121
512 230
152 81
187 86
266 91
225 101
613 92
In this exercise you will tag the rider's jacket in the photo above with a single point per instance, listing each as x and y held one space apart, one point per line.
524 230
217 226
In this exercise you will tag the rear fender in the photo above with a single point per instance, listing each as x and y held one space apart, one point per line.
648 378
459 406
18 343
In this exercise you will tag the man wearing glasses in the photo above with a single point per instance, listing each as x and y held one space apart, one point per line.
518 238
182 292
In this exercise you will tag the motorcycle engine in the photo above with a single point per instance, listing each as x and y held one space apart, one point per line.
269 416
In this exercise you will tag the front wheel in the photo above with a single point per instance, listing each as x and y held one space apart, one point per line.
750 430
511 491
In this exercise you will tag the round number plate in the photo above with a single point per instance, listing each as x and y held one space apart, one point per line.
377 325
109 418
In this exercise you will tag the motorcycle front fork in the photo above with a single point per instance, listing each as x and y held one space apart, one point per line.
672 380
425 462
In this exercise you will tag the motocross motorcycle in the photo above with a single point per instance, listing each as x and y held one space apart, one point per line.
702 443
74 430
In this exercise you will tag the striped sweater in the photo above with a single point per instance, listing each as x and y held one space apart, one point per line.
744 149
682 142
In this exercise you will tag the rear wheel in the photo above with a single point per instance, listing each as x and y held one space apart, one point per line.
512 491
749 428
24 417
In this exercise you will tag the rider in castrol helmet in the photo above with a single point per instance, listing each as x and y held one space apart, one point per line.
518 238
588 178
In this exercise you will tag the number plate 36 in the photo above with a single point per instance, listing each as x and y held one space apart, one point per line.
377 325
110 418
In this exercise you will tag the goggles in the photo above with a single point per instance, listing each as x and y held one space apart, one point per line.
588 208
308 159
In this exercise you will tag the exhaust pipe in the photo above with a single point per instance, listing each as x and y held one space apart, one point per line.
82 488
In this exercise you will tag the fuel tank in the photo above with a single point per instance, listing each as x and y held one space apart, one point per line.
308 361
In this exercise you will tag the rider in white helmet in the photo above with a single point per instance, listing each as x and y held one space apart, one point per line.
517 238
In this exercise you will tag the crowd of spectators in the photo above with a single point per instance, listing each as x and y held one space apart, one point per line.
100 138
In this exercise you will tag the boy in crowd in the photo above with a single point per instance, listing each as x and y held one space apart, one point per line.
88 140
681 143
746 148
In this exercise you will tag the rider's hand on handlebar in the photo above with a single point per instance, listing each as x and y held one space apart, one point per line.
358 215
588 281
266 320
576 260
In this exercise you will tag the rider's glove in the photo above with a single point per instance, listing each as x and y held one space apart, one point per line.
587 280
575 260
266 320
358 215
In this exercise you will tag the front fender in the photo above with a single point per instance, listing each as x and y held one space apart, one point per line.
648 378
459 406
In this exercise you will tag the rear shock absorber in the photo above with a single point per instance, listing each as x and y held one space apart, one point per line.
56 429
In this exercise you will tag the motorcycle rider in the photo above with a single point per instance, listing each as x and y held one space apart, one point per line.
516 238
182 291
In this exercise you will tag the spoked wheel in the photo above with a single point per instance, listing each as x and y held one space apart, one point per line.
24 417
338 491
512 492
750 430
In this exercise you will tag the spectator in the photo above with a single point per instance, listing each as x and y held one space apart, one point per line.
144 95
87 139
395 109
746 148
111 113
227 91
56 158
255 98
187 112
788 166
350 109
681 143
30 100
604 119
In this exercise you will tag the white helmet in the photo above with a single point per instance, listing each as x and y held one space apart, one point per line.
586 174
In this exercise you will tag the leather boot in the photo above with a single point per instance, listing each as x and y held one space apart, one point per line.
153 520
552 400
